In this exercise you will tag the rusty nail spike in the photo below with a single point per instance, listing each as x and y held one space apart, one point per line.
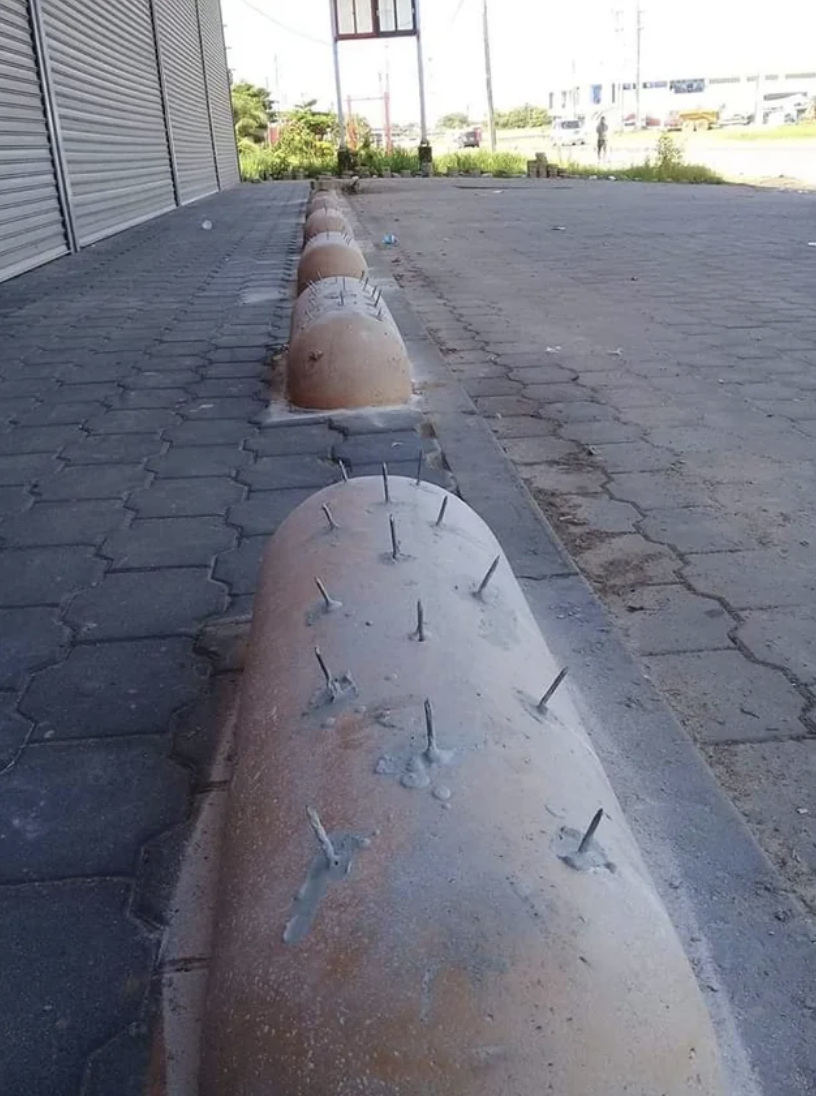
326 672
420 622
343 471
385 482
431 751
491 572
332 523
323 838
442 510
324 594
420 460
395 549
596 821
542 704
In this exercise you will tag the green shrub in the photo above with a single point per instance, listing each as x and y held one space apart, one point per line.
500 164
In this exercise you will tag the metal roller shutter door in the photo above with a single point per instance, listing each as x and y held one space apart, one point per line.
112 132
31 226
218 92
186 97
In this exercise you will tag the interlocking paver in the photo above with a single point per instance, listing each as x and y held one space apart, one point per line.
103 690
193 497
199 460
32 637
92 482
84 808
105 952
167 542
25 469
45 576
289 471
158 603
239 568
63 523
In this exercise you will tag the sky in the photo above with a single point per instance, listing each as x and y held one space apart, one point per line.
535 48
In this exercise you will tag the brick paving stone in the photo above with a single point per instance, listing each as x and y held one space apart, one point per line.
25 469
759 579
14 731
106 953
278 441
63 523
722 697
37 439
130 605
268 473
81 809
397 447
239 568
670 619
112 449
221 408
92 482
199 460
193 497
62 412
32 637
167 542
144 399
132 422
45 576
152 379
783 637
636 456
535 450
263 511
203 433
14 500
107 689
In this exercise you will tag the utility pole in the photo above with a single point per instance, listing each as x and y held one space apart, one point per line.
638 35
491 114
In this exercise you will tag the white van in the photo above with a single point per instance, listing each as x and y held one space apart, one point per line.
567 132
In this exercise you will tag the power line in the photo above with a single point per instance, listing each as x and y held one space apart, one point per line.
283 26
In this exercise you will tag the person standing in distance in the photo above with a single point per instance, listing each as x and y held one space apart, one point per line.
602 131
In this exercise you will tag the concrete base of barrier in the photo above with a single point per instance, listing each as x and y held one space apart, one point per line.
325 220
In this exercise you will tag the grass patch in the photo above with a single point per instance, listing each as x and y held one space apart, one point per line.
500 164
649 172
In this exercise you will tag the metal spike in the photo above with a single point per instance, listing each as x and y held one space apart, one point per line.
324 593
326 671
431 750
385 482
329 518
420 632
420 462
343 470
442 510
395 548
323 839
542 704
491 572
590 833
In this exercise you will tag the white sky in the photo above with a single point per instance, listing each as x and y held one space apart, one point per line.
535 47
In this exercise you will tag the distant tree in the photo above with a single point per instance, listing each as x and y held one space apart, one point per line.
322 124
252 111
524 117
456 120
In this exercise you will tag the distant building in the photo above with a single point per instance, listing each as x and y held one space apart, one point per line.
661 98
110 114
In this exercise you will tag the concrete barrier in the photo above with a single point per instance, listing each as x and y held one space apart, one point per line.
345 349
420 895
329 255
325 220
323 199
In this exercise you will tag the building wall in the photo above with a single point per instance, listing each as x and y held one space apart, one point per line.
110 114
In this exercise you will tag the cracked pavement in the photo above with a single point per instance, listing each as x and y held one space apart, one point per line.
650 369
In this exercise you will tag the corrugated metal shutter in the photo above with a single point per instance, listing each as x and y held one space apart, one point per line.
183 68
218 92
31 226
106 87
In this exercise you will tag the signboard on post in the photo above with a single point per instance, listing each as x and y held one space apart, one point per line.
355 19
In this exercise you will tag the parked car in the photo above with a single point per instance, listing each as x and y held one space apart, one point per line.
567 132
471 138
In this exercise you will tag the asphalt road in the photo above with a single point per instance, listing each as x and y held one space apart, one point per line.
646 355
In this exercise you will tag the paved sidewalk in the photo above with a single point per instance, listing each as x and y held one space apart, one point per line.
647 357
135 494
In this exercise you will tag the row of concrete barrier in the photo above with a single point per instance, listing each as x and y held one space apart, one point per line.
345 350
428 887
